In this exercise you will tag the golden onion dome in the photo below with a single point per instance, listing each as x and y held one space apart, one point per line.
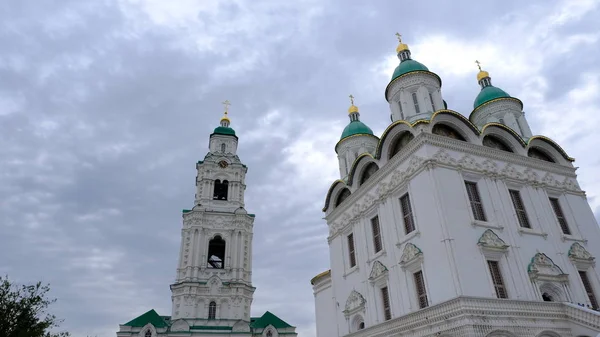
225 117
482 74
352 109
401 47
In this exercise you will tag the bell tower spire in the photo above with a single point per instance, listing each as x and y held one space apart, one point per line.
213 283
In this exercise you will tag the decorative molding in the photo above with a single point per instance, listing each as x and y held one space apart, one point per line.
543 268
378 271
565 237
580 257
412 257
487 224
408 237
474 158
354 303
530 231
491 240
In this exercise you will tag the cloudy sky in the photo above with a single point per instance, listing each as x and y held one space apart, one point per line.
106 105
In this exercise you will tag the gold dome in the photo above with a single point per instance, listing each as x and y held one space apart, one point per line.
353 108
401 47
482 74
225 118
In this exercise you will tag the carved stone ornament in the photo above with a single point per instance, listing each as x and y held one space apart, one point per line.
542 267
410 254
577 252
354 303
180 325
491 240
581 257
377 271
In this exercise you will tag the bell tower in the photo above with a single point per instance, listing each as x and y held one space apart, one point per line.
213 283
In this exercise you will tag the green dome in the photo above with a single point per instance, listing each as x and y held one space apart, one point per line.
221 130
407 66
487 94
356 128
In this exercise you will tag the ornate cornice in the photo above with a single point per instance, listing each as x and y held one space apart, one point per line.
474 158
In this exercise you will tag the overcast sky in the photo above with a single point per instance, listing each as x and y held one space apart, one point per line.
105 107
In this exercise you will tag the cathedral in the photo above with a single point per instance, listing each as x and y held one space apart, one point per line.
452 226
213 288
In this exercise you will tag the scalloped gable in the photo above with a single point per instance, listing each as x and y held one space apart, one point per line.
151 317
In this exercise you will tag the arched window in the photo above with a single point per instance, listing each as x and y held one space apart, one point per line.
221 189
212 310
148 333
223 147
216 253
496 143
539 154
447 131
345 193
368 172
547 298
269 333
400 142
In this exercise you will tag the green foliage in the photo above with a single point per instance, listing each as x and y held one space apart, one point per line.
23 311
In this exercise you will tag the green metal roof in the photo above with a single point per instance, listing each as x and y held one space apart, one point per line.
149 317
356 128
268 319
487 94
221 130
407 66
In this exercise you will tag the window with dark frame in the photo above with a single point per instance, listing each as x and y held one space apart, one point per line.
560 217
376 234
475 201
148 333
431 100
351 251
385 296
407 215
421 292
416 102
497 279
212 310
588 289
515 196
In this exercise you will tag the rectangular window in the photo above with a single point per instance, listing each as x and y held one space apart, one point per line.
515 196
376 234
409 223
416 102
351 250
385 297
588 289
475 201
560 216
497 279
431 100
421 292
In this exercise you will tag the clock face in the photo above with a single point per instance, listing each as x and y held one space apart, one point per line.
223 164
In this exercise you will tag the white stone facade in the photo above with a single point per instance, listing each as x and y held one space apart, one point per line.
426 88
442 252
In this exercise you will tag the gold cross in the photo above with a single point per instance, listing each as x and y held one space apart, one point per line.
399 37
478 64
351 99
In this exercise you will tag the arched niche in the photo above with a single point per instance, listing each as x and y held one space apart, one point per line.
399 142
496 143
367 172
541 154
552 150
216 253
342 195
221 190
447 131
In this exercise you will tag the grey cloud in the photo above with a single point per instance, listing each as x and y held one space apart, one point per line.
112 110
